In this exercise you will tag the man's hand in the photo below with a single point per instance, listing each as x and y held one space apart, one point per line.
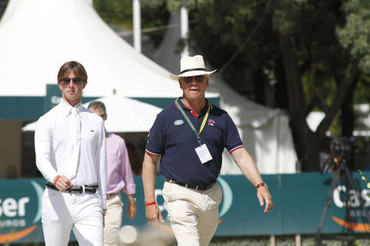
63 183
264 196
153 213
131 210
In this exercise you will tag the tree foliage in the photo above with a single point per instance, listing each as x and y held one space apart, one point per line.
115 12
355 34
119 13
298 55
313 53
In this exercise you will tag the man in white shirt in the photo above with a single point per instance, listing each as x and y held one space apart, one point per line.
71 155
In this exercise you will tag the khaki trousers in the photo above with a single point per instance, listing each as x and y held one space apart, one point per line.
113 220
193 214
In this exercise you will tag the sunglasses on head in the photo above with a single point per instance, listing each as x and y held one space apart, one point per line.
76 81
198 78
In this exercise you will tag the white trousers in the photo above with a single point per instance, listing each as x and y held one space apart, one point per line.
63 212
193 214
113 220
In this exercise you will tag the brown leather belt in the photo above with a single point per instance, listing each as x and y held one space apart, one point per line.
195 187
75 189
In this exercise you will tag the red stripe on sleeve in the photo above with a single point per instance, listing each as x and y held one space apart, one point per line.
239 147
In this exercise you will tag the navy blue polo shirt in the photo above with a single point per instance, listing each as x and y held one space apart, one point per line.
172 138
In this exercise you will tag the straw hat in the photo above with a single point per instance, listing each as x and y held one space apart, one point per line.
191 66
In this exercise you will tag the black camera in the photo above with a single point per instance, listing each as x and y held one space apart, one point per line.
340 152
341 147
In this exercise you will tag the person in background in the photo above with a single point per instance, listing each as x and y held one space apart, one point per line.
188 137
71 155
120 178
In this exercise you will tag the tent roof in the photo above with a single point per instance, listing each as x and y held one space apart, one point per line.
38 36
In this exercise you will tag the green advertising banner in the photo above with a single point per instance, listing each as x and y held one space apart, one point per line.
299 204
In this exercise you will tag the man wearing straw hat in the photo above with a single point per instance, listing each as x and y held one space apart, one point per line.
188 137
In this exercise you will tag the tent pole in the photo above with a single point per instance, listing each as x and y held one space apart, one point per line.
137 24
184 30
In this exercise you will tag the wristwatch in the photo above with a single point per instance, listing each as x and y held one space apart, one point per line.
132 199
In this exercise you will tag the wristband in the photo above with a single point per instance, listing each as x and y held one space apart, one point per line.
261 184
56 179
149 204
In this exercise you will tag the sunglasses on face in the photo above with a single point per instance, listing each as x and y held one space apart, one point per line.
198 78
76 81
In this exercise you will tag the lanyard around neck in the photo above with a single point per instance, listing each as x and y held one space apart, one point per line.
191 124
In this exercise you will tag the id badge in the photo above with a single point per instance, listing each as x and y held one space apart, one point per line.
203 153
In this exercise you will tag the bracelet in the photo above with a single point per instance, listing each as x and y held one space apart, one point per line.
149 204
56 179
261 184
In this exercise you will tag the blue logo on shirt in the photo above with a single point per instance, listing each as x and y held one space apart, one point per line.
178 122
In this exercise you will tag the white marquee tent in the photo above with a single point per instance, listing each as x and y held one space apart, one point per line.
37 36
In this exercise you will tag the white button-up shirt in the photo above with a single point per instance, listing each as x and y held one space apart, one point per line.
51 142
